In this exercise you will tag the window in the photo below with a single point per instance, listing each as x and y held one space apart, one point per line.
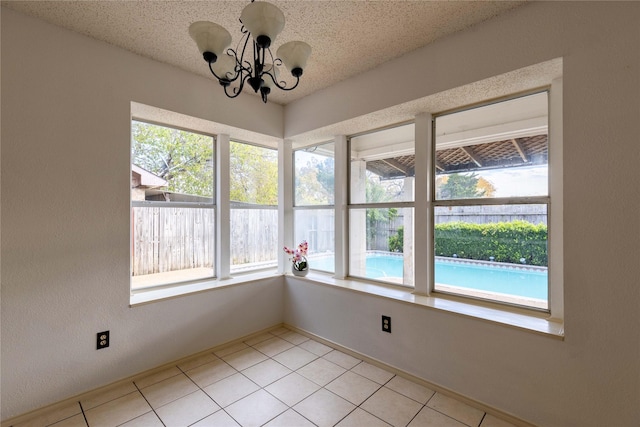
491 202
172 206
381 205
254 207
314 214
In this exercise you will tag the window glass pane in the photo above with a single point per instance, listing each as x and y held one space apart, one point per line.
316 226
497 150
253 174
496 252
382 166
314 175
171 245
171 165
381 244
254 239
254 206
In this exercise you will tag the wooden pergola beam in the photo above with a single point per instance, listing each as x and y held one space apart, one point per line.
472 154
397 165
520 150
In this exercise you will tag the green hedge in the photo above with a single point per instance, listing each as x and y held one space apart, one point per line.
505 241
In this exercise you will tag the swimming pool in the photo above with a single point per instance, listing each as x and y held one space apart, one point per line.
483 277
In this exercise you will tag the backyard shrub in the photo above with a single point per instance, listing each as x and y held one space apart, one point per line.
505 241
396 242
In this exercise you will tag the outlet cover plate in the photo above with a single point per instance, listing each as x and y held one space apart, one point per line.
386 324
102 340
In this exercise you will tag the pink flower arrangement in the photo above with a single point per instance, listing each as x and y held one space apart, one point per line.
299 255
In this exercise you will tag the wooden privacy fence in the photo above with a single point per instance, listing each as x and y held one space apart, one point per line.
483 214
169 239
254 235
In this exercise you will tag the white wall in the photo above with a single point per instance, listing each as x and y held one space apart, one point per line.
65 217
592 378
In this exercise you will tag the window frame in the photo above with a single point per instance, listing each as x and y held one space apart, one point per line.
250 206
168 205
554 169
351 206
303 207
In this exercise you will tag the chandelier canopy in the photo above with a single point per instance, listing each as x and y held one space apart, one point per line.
261 22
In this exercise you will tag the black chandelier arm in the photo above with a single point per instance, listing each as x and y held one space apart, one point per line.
236 90
239 67
284 84
245 36
218 77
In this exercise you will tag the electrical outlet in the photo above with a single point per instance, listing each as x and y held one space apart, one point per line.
102 340
386 324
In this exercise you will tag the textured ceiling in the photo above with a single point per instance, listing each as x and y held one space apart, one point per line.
347 37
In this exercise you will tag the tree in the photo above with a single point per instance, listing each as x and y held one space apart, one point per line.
326 177
315 182
463 186
486 186
253 174
184 159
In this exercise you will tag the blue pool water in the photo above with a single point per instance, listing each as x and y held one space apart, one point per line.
512 281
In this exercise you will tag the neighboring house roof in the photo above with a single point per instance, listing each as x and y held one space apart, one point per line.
146 178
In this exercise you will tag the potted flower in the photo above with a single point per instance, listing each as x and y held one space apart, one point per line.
300 266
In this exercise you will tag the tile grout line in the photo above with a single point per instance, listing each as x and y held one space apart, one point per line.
148 403
86 421
241 373
295 371
206 394
482 419
449 416
292 372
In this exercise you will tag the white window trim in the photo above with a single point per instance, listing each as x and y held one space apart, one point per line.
545 200
223 217
556 193
290 192
424 234
285 201
341 172
226 255
165 205
348 206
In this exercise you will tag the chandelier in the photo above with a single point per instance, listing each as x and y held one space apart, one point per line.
261 22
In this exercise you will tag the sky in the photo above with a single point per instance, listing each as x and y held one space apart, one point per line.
520 181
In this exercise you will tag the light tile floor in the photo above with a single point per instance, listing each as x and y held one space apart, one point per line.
278 379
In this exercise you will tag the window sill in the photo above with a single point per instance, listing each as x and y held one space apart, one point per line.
174 291
514 317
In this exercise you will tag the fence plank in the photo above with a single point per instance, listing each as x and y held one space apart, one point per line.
169 239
